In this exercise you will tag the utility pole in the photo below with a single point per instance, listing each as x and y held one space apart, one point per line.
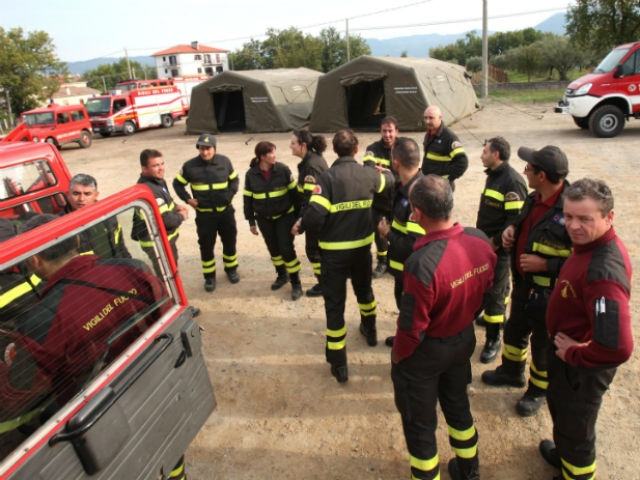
9 112
348 46
104 85
485 51
126 55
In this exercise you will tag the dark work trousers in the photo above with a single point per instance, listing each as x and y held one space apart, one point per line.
527 318
398 278
277 236
382 244
151 253
312 250
337 267
574 398
495 300
209 225
439 370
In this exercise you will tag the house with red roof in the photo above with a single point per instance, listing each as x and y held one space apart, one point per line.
191 59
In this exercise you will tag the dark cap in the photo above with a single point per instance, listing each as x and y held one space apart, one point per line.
549 159
206 140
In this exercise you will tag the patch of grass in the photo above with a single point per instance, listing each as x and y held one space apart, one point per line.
518 77
534 95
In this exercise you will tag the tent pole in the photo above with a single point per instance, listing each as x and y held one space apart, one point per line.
485 51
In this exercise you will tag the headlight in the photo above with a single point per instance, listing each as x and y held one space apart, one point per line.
35 139
583 90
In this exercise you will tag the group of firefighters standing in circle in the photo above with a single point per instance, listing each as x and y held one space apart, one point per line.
570 273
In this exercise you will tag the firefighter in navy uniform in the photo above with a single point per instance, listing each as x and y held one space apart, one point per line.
309 148
271 200
500 203
445 279
589 322
378 154
403 231
105 239
340 214
443 152
214 183
539 245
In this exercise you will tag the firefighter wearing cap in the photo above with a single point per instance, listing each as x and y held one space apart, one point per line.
213 182
500 203
378 154
339 212
589 322
445 279
443 152
539 245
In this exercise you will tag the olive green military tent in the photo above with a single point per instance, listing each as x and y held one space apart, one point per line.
253 101
360 93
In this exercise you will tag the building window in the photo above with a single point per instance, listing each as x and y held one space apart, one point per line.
199 70
172 60
166 71
197 57
175 73
164 59
217 58
209 71
207 58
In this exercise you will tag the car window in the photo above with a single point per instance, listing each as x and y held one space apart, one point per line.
25 178
67 312
63 118
77 115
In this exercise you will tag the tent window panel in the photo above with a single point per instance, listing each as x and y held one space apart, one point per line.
229 111
366 104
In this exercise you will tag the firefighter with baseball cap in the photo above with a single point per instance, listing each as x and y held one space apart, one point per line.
214 182
445 279
539 246
339 212
589 323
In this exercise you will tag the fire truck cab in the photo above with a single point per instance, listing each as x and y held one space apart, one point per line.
603 100
138 390
136 109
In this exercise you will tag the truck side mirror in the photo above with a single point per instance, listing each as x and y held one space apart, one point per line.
617 72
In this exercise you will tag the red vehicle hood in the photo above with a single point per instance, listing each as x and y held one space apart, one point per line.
594 78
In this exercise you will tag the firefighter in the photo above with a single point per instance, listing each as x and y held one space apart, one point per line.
152 168
539 246
339 213
378 154
500 203
403 231
271 200
589 322
214 183
445 279
105 239
443 152
309 148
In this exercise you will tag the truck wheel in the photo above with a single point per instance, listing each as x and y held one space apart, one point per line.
606 121
85 139
128 128
52 141
582 122
167 121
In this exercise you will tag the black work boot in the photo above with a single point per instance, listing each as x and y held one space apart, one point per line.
464 469
550 453
210 284
389 341
296 287
314 291
233 276
492 344
368 330
282 278
381 268
509 374
340 372
531 401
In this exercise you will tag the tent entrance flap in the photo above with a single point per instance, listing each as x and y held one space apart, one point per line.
365 104
229 110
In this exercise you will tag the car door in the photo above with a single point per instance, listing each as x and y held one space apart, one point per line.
124 401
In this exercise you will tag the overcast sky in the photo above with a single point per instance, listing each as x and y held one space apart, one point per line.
84 29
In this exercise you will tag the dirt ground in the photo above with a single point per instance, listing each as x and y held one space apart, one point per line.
280 413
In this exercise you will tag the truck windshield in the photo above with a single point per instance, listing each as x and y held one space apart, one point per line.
611 61
34 119
98 106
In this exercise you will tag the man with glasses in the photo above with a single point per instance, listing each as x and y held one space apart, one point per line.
539 245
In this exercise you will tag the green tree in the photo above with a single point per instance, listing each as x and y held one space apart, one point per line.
474 64
249 57
599 25
501 42
29 68
460 50
334 48
291 48
557 53
111 73
526 59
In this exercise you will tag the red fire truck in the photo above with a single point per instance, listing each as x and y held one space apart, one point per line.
602 100
184 84
128 111
138 390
